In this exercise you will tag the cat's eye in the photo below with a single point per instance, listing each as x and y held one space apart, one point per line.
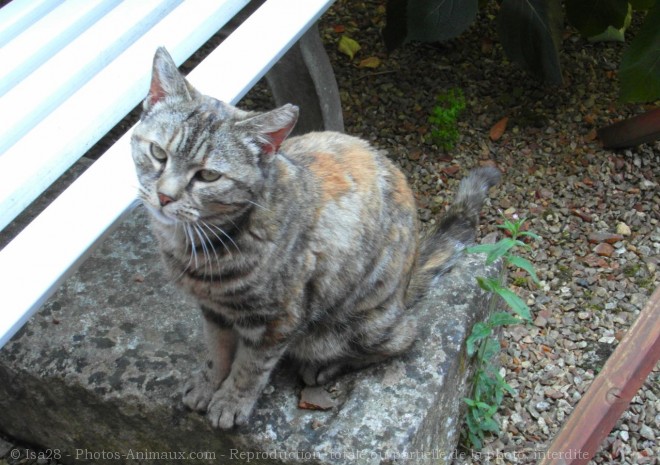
208 175
157 152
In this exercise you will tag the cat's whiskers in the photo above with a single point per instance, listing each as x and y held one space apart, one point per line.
212 226
206 225
257 205
210 242
206 243
193 246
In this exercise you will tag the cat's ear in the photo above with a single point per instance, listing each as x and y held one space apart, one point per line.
272 128
166 80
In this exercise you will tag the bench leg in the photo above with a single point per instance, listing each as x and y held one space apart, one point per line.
304 77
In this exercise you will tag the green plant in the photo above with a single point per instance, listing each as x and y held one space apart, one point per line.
488 384
531 31
444 118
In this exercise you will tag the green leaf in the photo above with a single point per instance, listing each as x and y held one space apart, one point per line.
492 348
482 248
492 410
501 247
613 34
502 319
490 425
525 265
592 17
530 234
640 66
488 284
483 406
479 331
517 305
530 33
436 20
509 226
476 442
348 46
469 401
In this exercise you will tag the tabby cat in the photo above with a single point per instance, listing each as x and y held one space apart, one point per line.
306 246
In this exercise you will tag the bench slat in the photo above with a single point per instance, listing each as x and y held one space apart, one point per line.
20 14
58 141
45 38
81 216
49 85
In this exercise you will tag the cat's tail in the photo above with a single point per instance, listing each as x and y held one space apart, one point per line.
442 245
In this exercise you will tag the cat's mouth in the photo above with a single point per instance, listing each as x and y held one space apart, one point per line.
161 215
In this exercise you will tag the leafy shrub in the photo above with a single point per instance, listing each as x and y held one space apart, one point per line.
530 33
488 385
444 118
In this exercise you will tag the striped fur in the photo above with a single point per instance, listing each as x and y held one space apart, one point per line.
306 246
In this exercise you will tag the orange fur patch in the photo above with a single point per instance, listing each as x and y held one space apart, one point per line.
362 168
402 193
330 173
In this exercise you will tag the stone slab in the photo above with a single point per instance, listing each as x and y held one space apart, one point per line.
97 374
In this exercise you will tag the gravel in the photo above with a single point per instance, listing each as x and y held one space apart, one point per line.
597 210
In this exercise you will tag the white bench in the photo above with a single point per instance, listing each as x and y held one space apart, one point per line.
71 69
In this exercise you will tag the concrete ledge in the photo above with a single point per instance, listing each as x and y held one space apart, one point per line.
97 374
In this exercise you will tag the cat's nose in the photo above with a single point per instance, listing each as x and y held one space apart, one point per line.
164 199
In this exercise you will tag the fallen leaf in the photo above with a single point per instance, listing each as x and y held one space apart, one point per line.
591 136
584 216
498 129
451 170
609 238
339 28
371 62
348 46
415 154
316 398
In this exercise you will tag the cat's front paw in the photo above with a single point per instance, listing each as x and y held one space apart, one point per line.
228 409
198 392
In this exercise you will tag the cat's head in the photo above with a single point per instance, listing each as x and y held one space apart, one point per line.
198 158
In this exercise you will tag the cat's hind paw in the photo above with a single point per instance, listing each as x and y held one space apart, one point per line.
313 375
198 392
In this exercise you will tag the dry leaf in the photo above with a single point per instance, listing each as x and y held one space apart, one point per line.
316 398
348 46
498 129
371 62
451 170
591 136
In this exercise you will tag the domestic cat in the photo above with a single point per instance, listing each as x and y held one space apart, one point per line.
306 246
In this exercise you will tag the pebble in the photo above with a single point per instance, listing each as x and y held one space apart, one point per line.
604 249
542 406
647 433
623 229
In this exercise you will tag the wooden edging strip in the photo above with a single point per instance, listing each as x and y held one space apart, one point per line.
611 391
